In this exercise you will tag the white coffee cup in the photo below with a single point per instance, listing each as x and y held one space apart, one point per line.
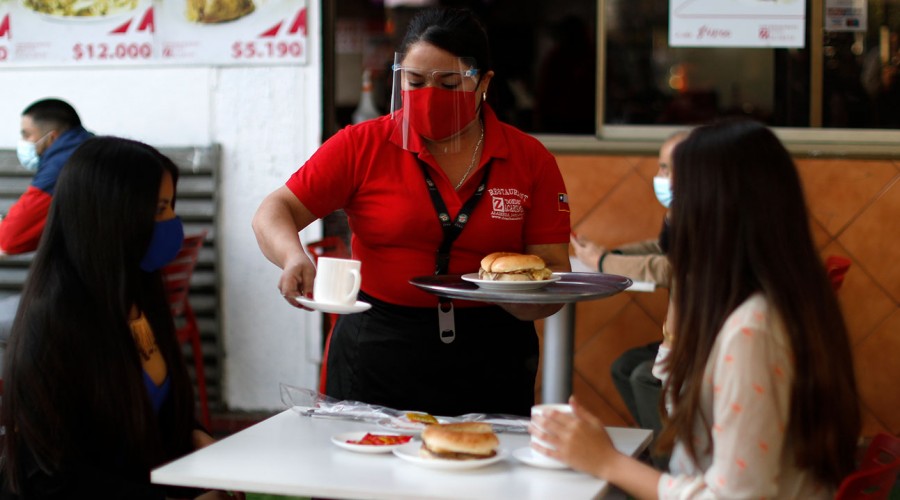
542 410
337 281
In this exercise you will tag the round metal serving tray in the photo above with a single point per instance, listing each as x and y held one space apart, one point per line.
572 287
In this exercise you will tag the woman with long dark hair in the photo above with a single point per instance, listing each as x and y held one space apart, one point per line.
96 392
757 365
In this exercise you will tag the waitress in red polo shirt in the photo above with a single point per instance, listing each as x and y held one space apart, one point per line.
442 150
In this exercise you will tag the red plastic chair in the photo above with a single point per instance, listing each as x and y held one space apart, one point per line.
329 246
877 473
177 277
837 268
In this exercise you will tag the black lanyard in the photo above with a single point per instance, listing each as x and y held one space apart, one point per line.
452 229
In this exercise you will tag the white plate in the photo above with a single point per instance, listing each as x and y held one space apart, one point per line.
359 306
527 455
509 285
404 424
342 441
410 453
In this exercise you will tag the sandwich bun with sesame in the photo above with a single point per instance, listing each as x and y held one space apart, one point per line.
510 266
459 441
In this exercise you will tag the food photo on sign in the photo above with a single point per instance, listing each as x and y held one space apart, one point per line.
217 11
97 9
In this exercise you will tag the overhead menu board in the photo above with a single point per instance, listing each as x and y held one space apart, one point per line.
737 23
141 32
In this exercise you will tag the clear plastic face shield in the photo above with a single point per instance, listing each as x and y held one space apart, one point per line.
435 104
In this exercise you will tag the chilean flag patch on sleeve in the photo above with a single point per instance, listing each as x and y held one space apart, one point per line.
563 200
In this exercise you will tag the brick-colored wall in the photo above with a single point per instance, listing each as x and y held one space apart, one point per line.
855 212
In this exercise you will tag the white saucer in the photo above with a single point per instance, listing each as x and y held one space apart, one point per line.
527 455
325 307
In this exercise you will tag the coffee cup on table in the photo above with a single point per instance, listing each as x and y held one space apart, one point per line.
337 281
542 410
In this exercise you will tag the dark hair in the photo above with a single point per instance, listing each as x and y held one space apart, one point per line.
74 391
53 113
457 31
740 226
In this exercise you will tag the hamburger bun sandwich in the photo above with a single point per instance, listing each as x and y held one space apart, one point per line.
459 441
509 266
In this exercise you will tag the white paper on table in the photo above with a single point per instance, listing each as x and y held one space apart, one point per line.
642 286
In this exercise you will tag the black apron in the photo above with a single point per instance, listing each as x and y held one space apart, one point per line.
392 356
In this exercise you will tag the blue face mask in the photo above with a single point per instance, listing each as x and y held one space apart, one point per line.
168 235
662 186
27 153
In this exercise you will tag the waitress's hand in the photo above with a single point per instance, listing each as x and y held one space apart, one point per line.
556 257
297 279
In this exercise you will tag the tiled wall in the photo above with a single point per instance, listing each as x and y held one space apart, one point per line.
855 209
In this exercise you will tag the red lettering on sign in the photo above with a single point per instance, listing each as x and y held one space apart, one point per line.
4 27
299 23
273 31
707 32
147 23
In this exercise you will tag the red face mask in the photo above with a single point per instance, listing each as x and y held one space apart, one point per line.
436 113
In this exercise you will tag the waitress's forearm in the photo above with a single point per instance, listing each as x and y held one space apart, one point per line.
276 225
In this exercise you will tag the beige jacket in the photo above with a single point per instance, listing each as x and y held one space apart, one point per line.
640 261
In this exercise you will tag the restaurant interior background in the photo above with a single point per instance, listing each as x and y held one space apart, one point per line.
597 82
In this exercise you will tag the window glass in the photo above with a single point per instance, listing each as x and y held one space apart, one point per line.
648 82
544 56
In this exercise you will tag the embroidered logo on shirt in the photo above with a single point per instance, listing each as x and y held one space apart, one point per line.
507 204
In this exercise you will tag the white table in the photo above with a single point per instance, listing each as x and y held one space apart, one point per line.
290 454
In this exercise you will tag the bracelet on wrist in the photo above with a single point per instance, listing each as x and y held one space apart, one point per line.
600 262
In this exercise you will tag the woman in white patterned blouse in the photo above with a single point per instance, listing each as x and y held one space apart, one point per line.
757 367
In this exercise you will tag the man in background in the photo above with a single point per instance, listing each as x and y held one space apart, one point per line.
51 131
640 261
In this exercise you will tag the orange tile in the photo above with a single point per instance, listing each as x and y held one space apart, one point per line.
592 316
877 372
820 236
629 213
874 240
837 189
589 179
632 327
655 304
599 404
647 167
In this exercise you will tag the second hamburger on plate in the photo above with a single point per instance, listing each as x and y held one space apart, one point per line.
459 441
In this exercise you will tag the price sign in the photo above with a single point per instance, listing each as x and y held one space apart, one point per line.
737 23
142 32
104 51
272 33
117 38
